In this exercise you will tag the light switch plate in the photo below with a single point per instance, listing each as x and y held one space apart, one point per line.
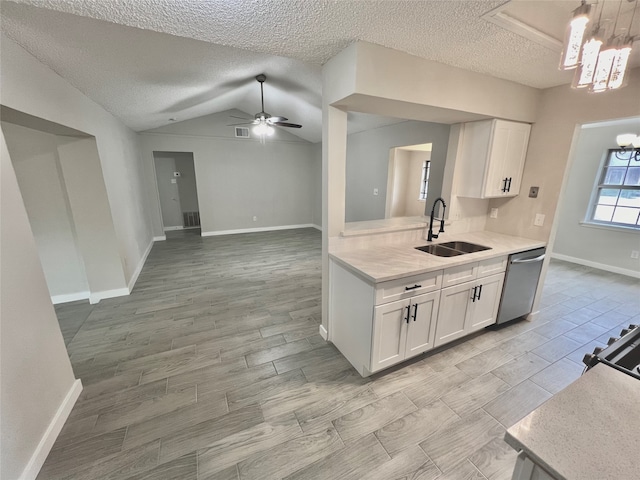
375 191
173 180
539 221
494 213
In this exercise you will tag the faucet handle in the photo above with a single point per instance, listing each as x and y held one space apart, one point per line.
441 226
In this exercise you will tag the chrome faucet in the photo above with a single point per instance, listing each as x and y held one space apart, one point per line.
432 235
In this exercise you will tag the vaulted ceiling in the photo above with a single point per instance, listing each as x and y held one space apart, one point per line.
147 61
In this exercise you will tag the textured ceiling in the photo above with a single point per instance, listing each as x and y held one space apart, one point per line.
187 58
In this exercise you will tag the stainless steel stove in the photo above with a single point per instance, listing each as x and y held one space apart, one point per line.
622 353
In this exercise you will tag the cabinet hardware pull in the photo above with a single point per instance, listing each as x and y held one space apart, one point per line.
473 298
504 185
479 292
413 288
415 311
408 310
509 185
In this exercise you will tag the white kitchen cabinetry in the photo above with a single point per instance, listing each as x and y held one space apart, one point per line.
403 329
470 305
491 158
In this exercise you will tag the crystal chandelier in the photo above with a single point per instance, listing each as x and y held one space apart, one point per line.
599 65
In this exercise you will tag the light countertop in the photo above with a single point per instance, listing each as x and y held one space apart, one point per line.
389 262
588 431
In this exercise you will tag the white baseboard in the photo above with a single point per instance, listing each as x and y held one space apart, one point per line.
136 273
51 434
160 238
323 332
171 229
254 230
69 297
599 266
95 297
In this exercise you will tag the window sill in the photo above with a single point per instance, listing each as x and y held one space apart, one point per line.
616 228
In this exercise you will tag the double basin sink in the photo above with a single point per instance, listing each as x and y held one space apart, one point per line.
452 249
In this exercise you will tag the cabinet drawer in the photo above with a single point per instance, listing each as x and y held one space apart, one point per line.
408 287
460 274
492 266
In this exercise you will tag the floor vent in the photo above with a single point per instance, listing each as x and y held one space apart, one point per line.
242 132
191 219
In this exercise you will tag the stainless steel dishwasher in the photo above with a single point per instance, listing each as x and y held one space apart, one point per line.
520 283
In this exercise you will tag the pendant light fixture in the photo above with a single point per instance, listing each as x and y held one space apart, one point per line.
629 143
599 66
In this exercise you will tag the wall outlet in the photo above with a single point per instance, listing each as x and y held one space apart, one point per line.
494 213
635 254
539 221
255 219
375 191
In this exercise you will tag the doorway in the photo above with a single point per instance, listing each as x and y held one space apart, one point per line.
408 180
177 190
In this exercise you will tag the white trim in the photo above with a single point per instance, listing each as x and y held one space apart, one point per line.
69 297
36 461
612 226
323 332
171 229
116 292
160 238
253 230
599 266
317 227
136 273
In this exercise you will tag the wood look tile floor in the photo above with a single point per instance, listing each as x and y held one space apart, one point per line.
213 369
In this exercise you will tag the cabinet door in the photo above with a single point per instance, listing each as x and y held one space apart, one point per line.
389 334
454 303
506 158
422 323
483 311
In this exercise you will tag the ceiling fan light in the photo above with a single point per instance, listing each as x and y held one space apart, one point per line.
269 130
573 37
260 129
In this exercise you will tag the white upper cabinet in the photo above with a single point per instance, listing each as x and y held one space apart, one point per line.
491 158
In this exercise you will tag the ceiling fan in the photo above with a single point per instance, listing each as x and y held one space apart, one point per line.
263 121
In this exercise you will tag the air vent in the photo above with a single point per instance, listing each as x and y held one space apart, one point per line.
242 132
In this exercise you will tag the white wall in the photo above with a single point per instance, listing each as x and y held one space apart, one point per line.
37 166
316 184
607 248
238 179
37 387
412 204
368 164
31 87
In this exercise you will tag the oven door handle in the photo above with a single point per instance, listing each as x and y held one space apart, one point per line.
529 260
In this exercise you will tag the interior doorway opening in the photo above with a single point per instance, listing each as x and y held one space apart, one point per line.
177 190
408 180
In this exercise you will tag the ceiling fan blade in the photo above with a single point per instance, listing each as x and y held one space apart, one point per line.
276 119
285 124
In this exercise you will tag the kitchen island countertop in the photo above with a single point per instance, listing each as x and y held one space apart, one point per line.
588 431
390 262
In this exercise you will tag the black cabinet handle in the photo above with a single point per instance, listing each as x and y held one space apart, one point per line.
479 292
408 310
473 297
504 185
412 288
509 185
415 311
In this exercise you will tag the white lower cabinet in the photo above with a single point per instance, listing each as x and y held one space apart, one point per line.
403 329
468 307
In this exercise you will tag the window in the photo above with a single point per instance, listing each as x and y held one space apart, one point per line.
616 197
424 182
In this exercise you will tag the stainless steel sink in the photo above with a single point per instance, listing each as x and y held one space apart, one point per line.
464 247
452 249
439 251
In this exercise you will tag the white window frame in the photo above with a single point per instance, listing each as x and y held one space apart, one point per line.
424 181
600 185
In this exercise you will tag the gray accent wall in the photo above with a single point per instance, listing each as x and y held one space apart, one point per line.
368 163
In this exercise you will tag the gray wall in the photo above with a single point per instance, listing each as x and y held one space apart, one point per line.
35 371
316 183
608 248
37 166
187 187
368 162
238 179
181 196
